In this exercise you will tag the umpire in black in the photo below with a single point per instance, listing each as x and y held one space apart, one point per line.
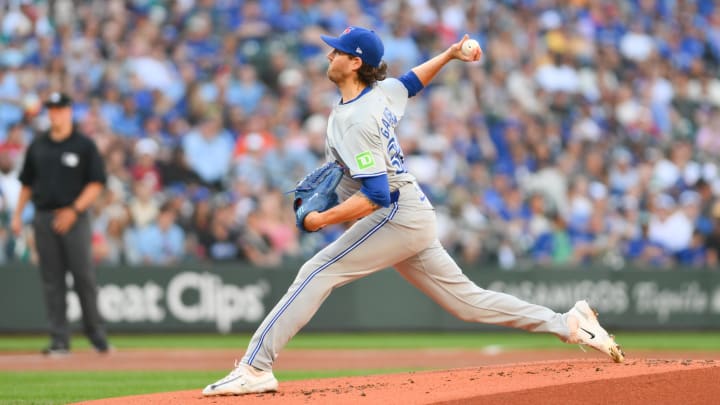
63 174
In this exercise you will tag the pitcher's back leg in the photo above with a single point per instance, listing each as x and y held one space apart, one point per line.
436 274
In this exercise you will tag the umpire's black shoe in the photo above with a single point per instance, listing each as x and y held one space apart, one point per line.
56 350
102 347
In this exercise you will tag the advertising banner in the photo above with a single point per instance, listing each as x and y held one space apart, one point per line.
233 298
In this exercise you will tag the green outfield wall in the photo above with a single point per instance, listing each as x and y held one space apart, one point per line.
229 298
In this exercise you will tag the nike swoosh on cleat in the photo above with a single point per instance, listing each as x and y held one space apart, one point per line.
592 335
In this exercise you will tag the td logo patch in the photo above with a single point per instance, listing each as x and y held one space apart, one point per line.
365 160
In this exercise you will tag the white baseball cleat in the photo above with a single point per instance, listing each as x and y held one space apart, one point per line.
586 330
244 379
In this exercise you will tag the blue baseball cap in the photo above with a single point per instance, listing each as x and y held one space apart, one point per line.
360 42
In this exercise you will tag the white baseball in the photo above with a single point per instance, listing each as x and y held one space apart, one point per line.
469 47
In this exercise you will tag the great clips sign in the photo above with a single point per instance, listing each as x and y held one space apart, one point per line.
186 298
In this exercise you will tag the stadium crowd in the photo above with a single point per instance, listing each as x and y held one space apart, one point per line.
588 134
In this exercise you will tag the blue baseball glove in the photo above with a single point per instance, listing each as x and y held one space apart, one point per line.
316 192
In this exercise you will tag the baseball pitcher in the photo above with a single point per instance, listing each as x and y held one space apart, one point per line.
394 221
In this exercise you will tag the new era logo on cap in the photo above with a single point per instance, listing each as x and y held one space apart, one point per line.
360 42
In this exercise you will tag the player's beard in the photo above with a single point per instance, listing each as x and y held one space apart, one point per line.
334 76
338 75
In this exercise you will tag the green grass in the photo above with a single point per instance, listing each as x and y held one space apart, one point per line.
458 340
703 341
62 387
72 386
39 387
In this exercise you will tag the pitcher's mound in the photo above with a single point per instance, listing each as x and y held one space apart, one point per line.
638 381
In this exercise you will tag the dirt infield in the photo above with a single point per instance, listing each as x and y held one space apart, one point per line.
469 376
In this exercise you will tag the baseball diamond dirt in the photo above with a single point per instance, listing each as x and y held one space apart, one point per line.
468 376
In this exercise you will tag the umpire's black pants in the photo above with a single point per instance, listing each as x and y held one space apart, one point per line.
59 254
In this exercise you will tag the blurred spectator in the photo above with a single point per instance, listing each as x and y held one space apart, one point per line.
704 192
176 170
401 50
162 242
109 241
712 241
590 242
679 171
708 136
145 168
14 144
290 160
255 244
9 191
128 122
538 222
143 206
200 220
695 255
623 176
244 89
208 149
249 154
644 252
555 245
636 45
668 226
277 224
222 243
10 95
9 183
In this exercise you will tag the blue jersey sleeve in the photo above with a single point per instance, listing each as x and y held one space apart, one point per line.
377 189
411 83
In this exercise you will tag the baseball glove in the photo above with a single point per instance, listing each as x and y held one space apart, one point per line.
316 192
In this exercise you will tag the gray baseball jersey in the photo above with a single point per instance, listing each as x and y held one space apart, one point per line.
361 135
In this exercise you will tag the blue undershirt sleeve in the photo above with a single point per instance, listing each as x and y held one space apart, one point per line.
411 83
377 189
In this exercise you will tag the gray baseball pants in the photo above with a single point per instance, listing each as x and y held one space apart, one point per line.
402 236
59 254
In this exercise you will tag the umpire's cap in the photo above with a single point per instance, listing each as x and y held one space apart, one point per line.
57 100
360 42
